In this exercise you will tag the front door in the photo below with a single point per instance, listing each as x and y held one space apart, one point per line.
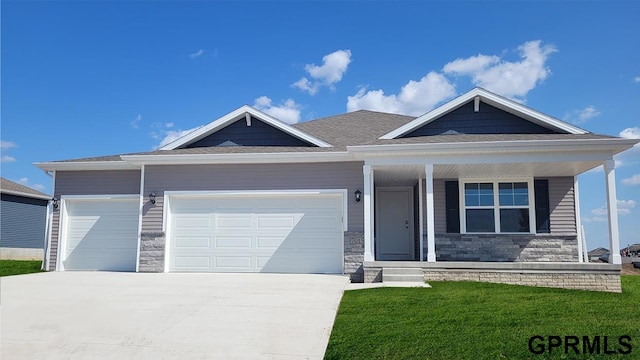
394 223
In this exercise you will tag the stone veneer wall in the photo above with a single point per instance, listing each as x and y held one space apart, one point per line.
506 247
580 281
354 255
151 252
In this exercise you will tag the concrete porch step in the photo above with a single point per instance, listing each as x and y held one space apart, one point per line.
414 275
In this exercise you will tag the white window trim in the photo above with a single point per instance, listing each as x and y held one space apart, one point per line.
496 203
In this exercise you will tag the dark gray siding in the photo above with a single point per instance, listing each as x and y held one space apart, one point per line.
106 182
489 120
258 134
239 177
22 222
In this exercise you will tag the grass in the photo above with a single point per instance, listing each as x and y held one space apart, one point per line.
18 267
466 320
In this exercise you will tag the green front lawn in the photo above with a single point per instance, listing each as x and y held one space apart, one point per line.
17 267
467 320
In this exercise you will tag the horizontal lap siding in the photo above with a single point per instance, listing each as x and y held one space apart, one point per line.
23 221
107 182
241 177
562 205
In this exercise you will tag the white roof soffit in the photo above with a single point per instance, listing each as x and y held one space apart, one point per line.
86 165
246 158
491 99
236 115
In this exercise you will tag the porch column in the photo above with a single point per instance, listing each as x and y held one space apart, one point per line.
368 214
612 212
431 233
421 216
576 195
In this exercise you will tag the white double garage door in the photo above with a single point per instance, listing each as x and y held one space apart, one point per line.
294 232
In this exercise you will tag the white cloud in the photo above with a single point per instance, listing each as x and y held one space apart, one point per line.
135 123
582 116
172 135
25 181
471 64
599 214
7 144
288 111
415 98
7 158
169 125
511 79
637 79
633 180
630 133
333 67
196 54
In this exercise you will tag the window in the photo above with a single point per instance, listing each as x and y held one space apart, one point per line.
497 207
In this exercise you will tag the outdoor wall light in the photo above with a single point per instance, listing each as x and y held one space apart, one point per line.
358 194
54 202
152 198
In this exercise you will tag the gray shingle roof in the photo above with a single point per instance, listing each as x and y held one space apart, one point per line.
9 187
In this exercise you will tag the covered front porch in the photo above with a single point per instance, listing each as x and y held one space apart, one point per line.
511 218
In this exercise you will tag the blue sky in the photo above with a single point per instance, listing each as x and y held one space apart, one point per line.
83 79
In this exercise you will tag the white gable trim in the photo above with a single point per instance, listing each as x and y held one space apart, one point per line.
241 113
490 98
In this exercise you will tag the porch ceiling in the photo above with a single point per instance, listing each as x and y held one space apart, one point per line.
407 175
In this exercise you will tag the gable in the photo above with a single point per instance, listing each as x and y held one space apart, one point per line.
239 133
487 120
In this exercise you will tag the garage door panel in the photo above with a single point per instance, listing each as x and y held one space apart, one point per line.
203 242
101 234
299 234
194 221
236 242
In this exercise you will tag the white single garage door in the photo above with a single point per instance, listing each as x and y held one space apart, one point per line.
101 234
257 233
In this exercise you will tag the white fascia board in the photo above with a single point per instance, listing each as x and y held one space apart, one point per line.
236 115
248 158
23 194
615 146
491 99
86 165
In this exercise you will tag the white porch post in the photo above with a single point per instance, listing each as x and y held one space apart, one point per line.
368 213
421 217
431 233
612 212
576 195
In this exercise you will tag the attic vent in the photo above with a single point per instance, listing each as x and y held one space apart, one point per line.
247 117
476 104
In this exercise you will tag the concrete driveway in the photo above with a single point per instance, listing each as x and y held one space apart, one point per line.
102 315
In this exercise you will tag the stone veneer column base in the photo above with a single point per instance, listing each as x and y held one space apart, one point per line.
354 255
151 252
592 282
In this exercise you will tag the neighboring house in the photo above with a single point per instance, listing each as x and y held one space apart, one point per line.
632 250
23 220
479 181
595 254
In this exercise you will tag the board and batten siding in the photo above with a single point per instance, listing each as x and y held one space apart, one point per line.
240 177
561 205
102 182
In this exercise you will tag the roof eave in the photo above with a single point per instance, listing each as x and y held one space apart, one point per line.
23 194
86 165
244 158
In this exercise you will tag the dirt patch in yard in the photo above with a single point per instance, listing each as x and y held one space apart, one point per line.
628 269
